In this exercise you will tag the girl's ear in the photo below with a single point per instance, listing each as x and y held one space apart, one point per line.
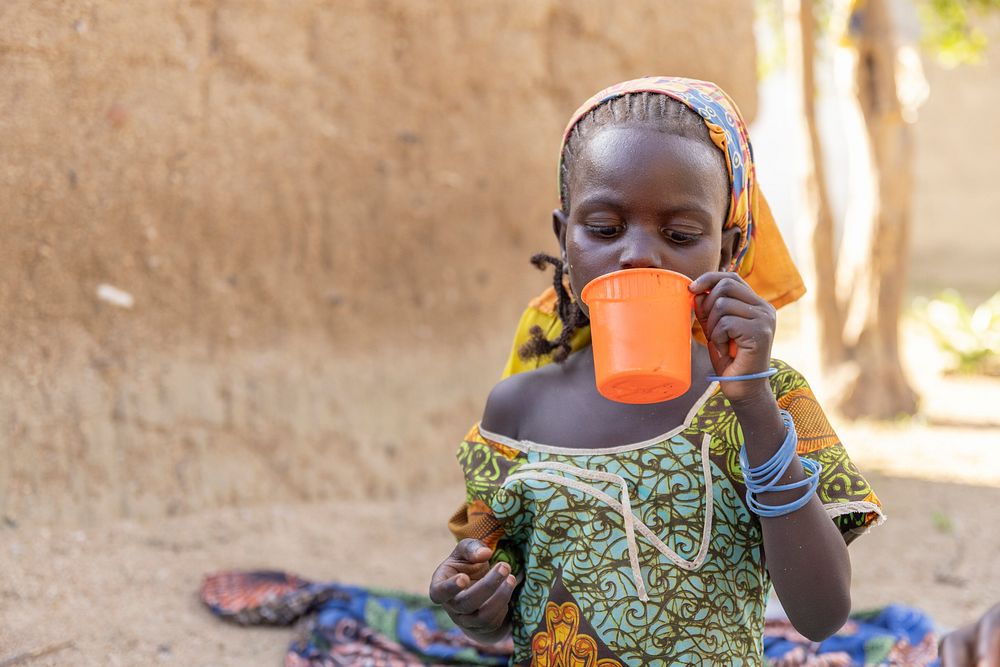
731 239
559 225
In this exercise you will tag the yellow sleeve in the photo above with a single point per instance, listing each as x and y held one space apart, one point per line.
540 312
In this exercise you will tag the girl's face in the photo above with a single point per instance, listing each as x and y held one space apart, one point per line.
640 198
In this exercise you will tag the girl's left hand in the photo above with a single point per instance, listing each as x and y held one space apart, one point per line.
975 645
739 326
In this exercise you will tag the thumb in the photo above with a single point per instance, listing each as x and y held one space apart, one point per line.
471 551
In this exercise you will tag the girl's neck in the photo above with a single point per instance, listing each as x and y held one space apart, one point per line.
564 408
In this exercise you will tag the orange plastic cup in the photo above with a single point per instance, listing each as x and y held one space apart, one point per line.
640 324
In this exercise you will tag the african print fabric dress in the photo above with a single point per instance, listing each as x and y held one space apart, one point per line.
644 553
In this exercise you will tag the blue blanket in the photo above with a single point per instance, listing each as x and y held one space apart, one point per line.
348 625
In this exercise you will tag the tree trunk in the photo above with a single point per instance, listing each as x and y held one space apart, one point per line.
875 385
823 313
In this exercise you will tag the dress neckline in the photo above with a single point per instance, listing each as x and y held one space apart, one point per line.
531 446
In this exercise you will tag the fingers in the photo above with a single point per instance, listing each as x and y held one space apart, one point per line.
493 611
732 311
728 307
707 281
728 285
988 639
957 648
468 601
444 589
747 334
468 562
721 335
481 606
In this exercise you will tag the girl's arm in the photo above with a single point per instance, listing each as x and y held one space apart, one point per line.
475 595
804 552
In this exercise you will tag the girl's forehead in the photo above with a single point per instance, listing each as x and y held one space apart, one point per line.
634 158
642 141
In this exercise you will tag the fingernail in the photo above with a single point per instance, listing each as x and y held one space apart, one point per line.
512 580
504 569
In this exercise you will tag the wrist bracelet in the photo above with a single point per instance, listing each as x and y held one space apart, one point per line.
764 478
760 478
771 511
751 376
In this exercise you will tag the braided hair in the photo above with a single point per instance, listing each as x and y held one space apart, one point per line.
653 110
570 314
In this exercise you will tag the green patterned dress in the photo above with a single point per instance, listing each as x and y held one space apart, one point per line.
645 553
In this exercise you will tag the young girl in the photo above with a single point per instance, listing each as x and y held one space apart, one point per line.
605 534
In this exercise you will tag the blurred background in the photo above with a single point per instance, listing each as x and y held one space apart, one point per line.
262 261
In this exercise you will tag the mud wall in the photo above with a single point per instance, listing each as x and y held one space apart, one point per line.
956 239
273 250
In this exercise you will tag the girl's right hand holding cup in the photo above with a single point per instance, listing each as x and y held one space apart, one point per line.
474 595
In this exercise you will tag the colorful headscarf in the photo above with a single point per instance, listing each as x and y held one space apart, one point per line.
762 259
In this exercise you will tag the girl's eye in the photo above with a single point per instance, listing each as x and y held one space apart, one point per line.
680 238
606 231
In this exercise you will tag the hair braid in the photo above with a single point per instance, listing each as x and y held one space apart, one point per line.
570 314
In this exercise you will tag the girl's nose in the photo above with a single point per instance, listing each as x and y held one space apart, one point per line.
640 253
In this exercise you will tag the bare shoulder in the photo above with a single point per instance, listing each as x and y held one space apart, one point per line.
509 402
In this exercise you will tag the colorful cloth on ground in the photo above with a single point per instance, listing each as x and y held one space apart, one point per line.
894 635
347 625
644 552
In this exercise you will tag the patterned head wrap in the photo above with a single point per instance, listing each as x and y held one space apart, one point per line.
762 259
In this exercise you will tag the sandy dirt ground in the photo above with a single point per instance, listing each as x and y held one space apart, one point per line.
125 593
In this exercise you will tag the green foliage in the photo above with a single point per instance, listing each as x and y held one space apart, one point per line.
770 17
942 522
878 650
823 13
771 51
948 30
970 337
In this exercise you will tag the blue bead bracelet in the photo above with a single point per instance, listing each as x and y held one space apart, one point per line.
764 478
751 376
